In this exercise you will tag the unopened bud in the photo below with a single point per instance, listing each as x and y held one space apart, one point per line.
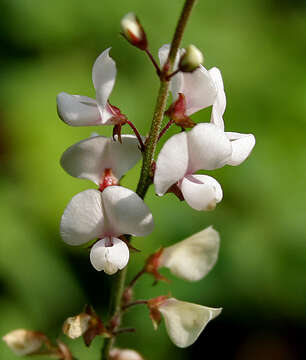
24 342
124 354
133 31
191 60
76 326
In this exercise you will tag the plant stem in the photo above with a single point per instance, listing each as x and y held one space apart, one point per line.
161 102
114 308
148 156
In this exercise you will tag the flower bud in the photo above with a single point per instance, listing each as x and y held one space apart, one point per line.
124 354
133 31
76 326
24 342
191 60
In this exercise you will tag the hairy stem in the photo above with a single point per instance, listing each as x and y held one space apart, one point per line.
148 156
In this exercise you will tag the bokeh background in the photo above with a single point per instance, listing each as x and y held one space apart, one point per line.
260 46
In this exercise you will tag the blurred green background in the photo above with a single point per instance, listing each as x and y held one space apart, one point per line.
260 46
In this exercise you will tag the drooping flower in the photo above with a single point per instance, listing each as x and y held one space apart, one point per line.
24 342
106 215
101 159
190 259
77 110
184 321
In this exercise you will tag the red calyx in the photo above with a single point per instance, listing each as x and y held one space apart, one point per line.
177 113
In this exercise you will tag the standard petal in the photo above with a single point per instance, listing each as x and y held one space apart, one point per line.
199 89
77 110
109 258
103 77
185 321
242 145
201 192
172 163
83 218
89 158
192 258
220 101
126 212
209 148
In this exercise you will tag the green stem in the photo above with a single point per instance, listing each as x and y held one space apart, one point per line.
160 107
148 156
114 308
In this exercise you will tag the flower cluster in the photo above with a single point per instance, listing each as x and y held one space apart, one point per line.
104 218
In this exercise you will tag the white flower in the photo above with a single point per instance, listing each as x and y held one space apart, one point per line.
203 88
124 354
24 342
185 321
76 326
106 215
198 87
77 110
101 159
204 147
192 258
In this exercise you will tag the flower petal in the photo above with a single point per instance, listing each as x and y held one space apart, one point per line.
201 192
103 77
192 258
177 81
77 110
199 89
242 145
109 258
83 218
209 148
126 212
89 158
220 101
172 163
185 321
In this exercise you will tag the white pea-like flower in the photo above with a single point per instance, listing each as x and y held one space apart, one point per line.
191 259
24 342
106 215
201 89
205 147
101 160
77 110
185 321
